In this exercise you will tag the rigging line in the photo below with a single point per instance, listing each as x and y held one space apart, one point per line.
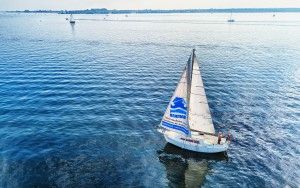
205 133
199 86
203 102
190 64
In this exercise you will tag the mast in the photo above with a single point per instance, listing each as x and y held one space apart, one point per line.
189 83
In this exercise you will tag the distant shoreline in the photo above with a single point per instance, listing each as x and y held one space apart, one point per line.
153 11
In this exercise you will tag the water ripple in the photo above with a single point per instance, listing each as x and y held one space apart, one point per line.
79 105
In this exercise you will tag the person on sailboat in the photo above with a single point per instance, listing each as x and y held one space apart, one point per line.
219 137
228 137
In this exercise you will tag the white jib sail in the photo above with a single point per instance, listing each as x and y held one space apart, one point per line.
199 116
175 117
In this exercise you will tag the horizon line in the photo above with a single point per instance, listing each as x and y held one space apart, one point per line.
240 8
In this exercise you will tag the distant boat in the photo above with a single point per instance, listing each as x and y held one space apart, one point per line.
72 21
126 15
187 121
230 19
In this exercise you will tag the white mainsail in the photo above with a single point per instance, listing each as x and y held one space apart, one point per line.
175 117
199 114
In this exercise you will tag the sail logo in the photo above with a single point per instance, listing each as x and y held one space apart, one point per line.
178 108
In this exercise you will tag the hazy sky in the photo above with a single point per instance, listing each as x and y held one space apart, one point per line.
142 4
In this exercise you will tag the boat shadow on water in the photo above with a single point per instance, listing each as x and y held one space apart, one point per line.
186 168
73 28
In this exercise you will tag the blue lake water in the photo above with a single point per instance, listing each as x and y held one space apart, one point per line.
79 104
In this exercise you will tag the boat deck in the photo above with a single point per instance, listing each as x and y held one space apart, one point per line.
208 139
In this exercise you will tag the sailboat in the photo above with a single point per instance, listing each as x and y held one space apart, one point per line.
187 122
230 19
72 21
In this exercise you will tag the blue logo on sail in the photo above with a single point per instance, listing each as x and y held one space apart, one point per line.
178 108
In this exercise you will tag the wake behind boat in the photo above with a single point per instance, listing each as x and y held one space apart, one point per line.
187 122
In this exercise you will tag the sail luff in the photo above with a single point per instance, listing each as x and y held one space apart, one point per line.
189 82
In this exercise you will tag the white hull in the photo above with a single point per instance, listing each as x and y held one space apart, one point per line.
197 143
